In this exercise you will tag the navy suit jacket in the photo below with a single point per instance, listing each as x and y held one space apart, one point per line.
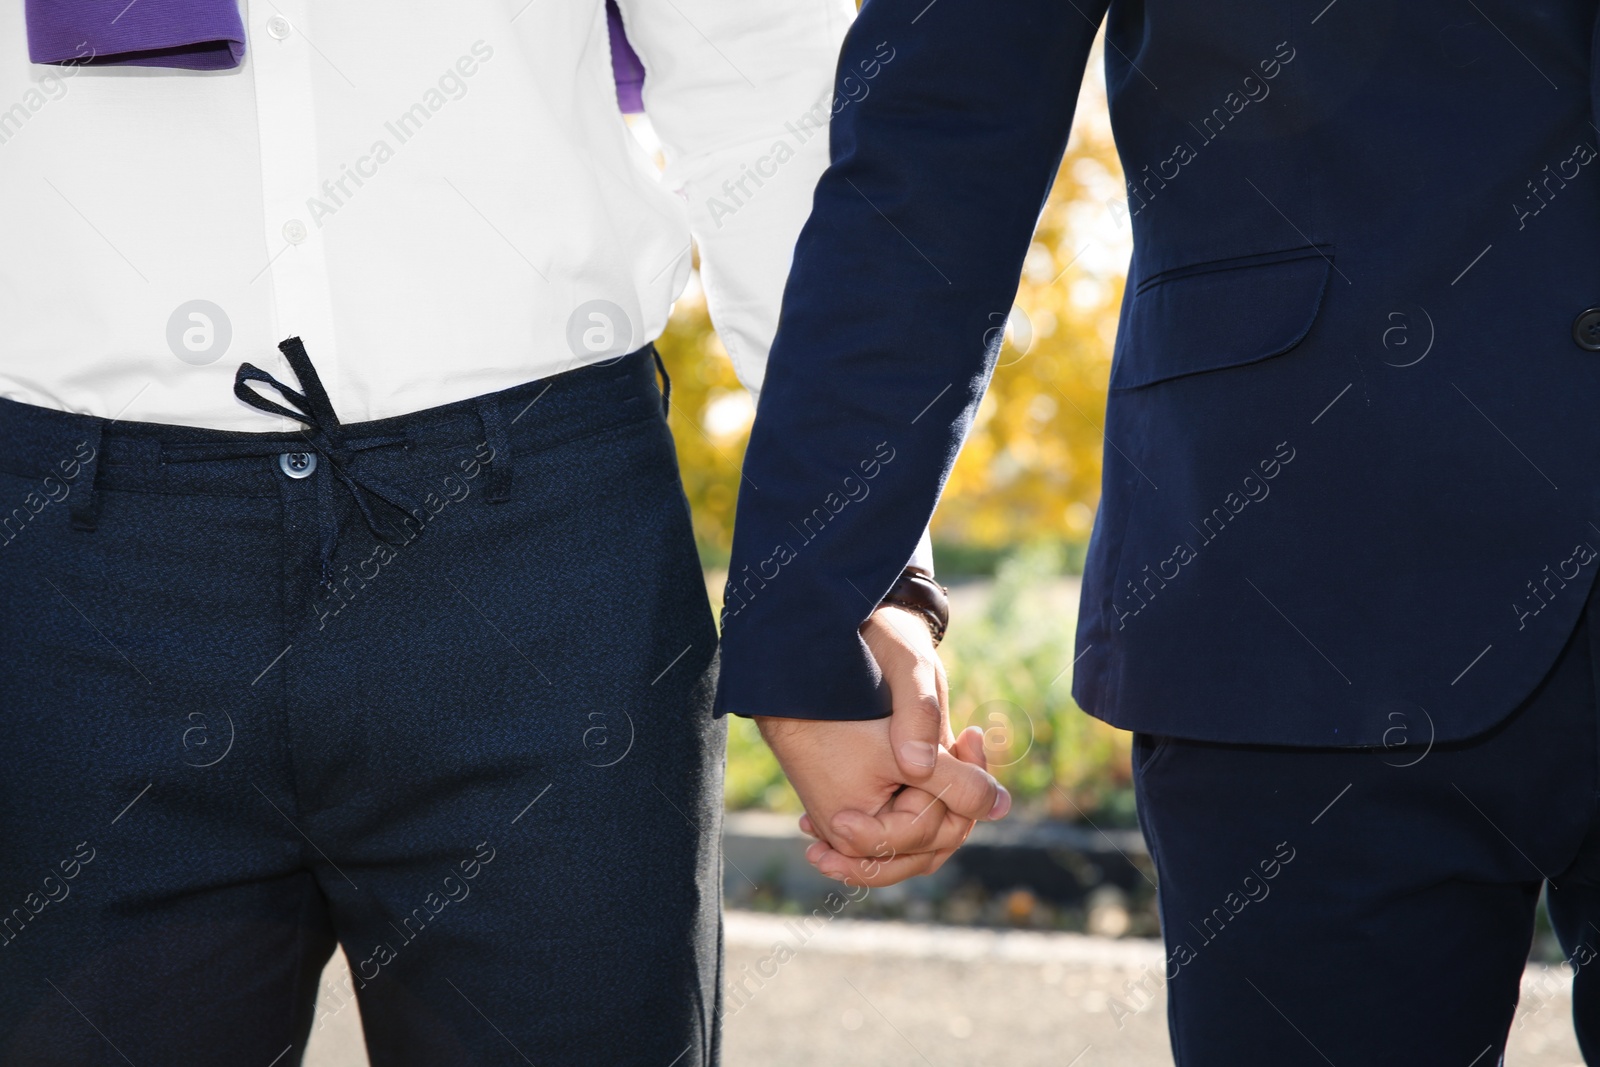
1350 490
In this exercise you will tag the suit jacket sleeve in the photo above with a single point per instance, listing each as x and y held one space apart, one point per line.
950 121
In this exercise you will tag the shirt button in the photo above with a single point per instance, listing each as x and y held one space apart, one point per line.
1586 330
298 464
294 231
279 27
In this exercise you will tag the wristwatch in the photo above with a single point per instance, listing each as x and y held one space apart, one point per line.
917 592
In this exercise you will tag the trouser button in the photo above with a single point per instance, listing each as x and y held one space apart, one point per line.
298 464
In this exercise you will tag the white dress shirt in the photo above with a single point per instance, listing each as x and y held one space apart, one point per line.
441 199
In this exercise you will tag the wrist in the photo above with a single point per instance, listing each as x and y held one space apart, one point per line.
917 593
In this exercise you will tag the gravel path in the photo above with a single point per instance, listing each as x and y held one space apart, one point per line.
875 994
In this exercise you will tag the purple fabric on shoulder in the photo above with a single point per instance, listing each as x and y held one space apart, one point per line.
191 34
625 65
209 35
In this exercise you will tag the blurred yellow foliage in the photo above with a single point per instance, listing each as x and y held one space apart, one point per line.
1030 469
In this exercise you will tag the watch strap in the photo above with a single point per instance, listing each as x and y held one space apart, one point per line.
917 592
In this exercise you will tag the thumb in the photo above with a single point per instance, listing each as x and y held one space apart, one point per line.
917 721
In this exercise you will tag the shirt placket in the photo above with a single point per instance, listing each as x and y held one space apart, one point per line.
281 58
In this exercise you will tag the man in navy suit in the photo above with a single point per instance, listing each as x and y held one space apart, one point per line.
1340 579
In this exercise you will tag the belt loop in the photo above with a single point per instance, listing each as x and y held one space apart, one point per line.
666 382
494 435
85 512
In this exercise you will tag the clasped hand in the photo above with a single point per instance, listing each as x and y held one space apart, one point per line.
890 798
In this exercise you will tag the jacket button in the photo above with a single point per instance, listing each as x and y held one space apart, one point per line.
1586 330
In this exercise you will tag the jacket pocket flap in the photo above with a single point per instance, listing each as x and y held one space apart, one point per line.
1221 314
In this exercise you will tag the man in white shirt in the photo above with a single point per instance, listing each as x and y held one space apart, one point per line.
392 633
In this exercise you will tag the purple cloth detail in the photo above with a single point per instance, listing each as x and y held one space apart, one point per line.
625 66
191 34
208 35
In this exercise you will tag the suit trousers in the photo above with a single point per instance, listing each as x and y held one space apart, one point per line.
1376 906
252 708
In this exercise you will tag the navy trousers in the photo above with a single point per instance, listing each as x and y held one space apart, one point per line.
1376 906
251 708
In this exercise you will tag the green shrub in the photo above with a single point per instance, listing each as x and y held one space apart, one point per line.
1010 668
